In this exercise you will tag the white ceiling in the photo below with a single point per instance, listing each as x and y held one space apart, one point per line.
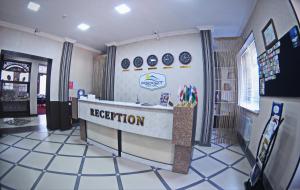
227 17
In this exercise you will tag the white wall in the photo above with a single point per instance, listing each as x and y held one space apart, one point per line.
127 83
287 148
296 4
81 70
81 65
18 41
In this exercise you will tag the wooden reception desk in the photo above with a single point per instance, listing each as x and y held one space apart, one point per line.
137 132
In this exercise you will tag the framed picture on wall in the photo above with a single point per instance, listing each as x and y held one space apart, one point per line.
269 34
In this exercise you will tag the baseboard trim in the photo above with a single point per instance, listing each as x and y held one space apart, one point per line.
246 150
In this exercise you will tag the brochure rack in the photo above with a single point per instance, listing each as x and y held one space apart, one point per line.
265 147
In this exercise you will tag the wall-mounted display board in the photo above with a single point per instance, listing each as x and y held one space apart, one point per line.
279 67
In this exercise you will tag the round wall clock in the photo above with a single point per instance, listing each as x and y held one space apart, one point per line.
125 63
152 60
185 58
167 59
138 61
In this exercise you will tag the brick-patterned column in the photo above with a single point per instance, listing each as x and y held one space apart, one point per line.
184 125
83 135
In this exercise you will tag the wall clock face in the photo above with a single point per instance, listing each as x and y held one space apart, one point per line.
125 63
152 60
185 58
167 59
138 62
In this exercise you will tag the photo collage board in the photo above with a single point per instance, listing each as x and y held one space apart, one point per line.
269 66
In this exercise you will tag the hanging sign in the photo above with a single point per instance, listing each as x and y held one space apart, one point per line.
152 81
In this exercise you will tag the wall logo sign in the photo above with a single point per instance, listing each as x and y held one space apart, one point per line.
152 81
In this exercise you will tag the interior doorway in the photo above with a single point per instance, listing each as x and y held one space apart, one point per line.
24 78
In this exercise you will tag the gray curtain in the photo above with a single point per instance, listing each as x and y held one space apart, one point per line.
98 75
65 64
109 74
208 104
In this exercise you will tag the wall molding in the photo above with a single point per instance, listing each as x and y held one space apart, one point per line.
158 35
46 35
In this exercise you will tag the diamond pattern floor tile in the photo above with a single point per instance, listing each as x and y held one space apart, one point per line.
75 140
197 154
61 161
65 164
13 154
22 134
4 167
51 181
3 147
48 147
20 178
243 166
126 166
230 179
203 186
76 132
10 139
36 160
175 180
66 132
98 166
236 148
208 150
38 135
227 156
96 182
95 151
56 138
207 166
142 181
27 144
73 150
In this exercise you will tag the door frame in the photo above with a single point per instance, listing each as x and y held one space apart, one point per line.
39 58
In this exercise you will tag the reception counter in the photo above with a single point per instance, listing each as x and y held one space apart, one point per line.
137 132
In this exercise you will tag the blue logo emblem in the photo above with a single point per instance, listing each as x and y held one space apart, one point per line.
153 81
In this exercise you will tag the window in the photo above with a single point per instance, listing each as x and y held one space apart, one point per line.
42 78
42 84
248 76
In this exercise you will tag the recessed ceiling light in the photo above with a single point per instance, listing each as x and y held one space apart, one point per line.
33 6
122 9
83 26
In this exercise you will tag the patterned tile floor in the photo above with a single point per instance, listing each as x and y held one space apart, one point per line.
60 160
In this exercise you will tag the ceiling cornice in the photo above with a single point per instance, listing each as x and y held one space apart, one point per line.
46 35
211 28
159 35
